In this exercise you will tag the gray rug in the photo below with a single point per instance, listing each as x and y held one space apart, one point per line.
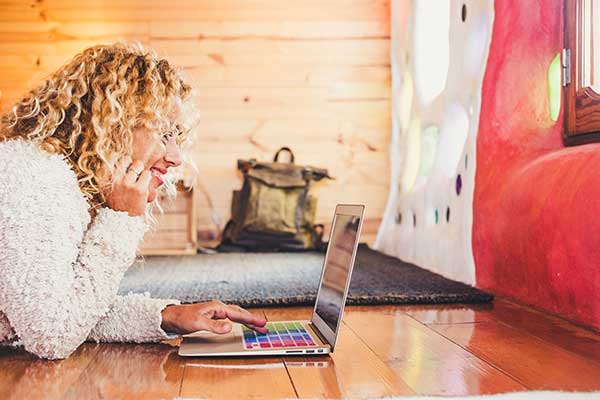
264 279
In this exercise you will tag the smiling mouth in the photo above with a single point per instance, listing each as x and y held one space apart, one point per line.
157 171
158 174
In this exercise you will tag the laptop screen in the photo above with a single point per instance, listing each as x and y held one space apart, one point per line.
335 275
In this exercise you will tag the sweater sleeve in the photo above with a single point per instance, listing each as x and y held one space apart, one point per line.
56 287
133 318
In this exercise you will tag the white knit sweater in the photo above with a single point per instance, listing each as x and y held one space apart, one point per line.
59 274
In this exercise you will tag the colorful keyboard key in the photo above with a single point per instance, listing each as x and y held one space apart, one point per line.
281 334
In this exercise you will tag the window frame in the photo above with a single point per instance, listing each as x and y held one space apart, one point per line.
582 105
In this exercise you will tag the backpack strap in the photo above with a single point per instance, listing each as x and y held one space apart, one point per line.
286 149
246 165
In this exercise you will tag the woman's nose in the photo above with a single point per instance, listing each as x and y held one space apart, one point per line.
173 155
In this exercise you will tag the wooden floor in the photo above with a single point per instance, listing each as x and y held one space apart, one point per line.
382 351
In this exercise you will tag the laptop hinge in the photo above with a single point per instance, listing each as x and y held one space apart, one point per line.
316 330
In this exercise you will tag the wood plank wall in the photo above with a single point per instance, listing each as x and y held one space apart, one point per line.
310 74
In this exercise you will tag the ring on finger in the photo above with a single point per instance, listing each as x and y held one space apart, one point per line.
240 309
136 172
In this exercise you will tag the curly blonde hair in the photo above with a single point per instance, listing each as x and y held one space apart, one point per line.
87 111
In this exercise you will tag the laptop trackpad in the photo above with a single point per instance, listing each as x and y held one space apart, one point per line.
214 343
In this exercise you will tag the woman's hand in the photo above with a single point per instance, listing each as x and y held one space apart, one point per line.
130 189
190 318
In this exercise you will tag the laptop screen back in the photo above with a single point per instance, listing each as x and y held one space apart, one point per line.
330 297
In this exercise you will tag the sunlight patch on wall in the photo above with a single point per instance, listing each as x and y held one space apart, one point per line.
431 48
554 87
405 99
430 139
454 133
413 152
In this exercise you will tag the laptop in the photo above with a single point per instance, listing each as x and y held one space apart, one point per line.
317 336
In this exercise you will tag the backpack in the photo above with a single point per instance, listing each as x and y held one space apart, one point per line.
274 211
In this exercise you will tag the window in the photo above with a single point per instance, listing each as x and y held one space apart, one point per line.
581 71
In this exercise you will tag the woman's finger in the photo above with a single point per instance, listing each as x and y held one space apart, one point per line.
261 329
236 307
134 171
242 317
258 328
120 168
144 179
216 310
207 324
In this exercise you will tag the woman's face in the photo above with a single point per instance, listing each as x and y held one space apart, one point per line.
158 152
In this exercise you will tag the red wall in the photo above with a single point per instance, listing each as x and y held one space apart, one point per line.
536 222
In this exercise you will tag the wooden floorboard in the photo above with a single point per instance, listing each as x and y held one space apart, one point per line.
382 351
23 376
529 360
428 362
351 371
552 329
447 313
130 371
254 378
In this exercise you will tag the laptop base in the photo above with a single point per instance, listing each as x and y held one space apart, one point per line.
208 344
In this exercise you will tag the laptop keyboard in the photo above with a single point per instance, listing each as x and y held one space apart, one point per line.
281 334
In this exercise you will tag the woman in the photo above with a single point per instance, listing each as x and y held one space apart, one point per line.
81 156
